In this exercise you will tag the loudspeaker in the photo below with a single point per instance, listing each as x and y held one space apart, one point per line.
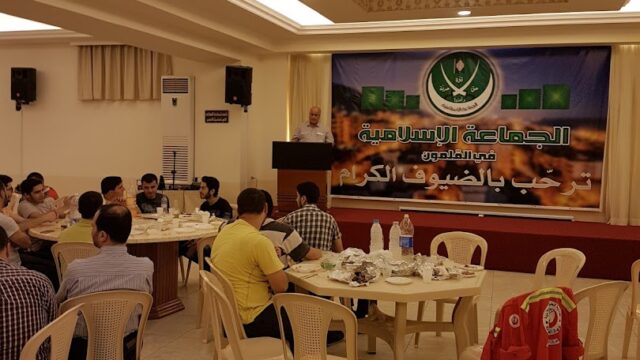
23 85
237 88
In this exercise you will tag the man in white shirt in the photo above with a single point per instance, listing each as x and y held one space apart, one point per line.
312 131
35 203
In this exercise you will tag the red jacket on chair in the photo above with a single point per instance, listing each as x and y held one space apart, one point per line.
540 325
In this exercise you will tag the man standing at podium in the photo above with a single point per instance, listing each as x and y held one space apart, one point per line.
312 131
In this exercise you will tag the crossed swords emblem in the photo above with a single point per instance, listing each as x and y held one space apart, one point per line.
460 90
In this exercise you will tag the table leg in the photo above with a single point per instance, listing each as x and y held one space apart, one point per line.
400 328
371 339
165 276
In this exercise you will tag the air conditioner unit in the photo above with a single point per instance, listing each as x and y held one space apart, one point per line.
178 111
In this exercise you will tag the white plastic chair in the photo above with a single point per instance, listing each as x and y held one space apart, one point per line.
239 347
463 320
603 301
460 248
569 262
634 310
106 315
310 318
65 253
60 331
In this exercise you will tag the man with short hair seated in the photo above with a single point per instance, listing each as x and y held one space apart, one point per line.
88 204
113 190
249 261
11 208
26 305
286 238
35 203
112 269
149 199
213 202
48 190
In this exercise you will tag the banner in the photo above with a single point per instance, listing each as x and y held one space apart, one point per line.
491 126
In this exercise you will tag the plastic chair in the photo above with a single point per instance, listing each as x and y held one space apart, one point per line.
569 262
460 248
603 301
65 253
634 310
60 331
310 319
463 320
202 243
239 347
106 315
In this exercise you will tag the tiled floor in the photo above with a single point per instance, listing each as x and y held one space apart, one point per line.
175 337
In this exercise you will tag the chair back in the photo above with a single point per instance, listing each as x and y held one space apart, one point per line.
462 323
227 289
635 277
202 243
60 331
106 315
569 262
65 253
460 246
214 314
310 317
225 309
603 301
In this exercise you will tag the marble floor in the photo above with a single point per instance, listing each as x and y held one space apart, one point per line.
175 336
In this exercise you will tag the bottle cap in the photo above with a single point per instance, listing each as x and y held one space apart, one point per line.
376 221
406 215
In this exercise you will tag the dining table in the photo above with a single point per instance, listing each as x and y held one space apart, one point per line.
390 328
158 240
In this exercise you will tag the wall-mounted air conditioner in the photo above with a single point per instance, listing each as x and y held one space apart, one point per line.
177 104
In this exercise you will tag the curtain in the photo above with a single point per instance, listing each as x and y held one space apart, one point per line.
310 85
622 187
120 72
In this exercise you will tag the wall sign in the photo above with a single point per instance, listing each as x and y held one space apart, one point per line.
216 116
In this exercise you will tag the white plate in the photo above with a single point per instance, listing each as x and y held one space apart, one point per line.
184 230
204 227
137 232
471 267
306 268
149 216
398 280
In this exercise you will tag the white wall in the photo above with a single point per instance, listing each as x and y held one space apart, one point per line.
75 143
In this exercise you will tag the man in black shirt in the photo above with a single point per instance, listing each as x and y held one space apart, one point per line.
213 203
149 199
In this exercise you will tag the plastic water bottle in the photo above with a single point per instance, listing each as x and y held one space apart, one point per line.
377 239
394 241
164 203
406 237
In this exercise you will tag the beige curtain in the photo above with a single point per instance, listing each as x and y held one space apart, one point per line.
120 72
622 190
310 85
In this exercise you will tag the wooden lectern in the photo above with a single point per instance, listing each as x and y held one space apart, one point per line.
299 162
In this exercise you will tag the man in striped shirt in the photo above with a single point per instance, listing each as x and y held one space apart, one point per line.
26 305
112 269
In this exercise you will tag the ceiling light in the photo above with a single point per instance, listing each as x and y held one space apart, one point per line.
632 5
464 13
12 23
296 11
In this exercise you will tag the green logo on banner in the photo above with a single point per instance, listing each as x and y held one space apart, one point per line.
460 84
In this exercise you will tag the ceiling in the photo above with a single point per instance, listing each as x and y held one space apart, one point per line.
232 30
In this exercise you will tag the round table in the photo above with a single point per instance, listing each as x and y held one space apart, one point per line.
159 246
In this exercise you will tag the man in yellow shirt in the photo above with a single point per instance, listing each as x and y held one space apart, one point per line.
249 261
88 204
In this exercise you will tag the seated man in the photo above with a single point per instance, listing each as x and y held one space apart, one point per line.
149 199
36 204
113 190
88 204
249 261
112 269
11 208
26 305
48 190
316 227
213 203
286 238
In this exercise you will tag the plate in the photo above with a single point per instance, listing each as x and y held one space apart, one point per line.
471 267
398 280
137 232
204 227
184 230
306 268
149 216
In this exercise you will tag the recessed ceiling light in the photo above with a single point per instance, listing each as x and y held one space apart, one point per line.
632 5
12 23
296 11
464 13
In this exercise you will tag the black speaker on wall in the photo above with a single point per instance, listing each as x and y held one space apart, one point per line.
237 88
23 85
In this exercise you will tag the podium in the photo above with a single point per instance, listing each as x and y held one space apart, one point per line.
298 162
